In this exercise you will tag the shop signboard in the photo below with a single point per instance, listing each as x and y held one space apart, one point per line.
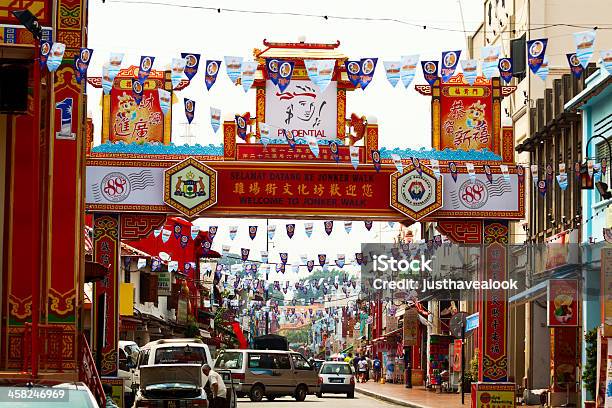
302 109
164 285
609 375
301 189
493 395
471 322
606 287
562 303
411 324
181 312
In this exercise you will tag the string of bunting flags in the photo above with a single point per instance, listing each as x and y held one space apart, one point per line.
360 72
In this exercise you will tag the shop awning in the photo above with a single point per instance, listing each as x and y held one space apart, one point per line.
95 271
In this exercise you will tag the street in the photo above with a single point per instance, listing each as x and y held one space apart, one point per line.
339 401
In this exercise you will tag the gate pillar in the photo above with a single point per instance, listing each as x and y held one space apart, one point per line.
105 327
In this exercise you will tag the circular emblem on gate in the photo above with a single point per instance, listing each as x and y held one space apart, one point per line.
473 194
416 190
115 187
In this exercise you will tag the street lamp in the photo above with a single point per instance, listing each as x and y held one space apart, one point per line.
586 181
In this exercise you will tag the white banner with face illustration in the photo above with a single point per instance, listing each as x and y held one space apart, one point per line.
302 109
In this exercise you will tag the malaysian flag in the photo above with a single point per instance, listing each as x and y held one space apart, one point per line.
88 239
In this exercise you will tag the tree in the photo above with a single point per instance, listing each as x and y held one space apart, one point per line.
589 375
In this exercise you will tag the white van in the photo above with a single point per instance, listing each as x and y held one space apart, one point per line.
171 351
268 373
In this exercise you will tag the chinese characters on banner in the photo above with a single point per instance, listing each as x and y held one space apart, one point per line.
136 123
466 117
304 189
494 353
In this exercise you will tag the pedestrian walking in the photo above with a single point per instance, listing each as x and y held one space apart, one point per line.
355 363
363 368
369 361
390 369
376 367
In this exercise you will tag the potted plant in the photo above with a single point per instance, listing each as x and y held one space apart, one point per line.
589 374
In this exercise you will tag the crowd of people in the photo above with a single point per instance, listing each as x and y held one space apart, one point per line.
364 365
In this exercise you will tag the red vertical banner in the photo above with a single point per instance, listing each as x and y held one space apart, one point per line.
562 302
494 306
106 292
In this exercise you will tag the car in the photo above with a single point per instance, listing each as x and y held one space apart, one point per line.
268 373
317 364
336 377
171 351
171 385
17 393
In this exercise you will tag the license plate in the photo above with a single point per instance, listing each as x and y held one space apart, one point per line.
336 380
226 377
173 404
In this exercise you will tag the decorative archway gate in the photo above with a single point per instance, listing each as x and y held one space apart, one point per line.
471 191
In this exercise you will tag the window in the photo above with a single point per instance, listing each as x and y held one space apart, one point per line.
180 355
229 360
282 362
300 363
518 55
336 369
143 358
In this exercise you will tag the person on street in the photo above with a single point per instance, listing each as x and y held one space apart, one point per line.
363 368
376 367
108 392
369 368
390 369
355 364
348 358
217 387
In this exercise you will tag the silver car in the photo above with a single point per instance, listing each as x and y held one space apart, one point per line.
336 377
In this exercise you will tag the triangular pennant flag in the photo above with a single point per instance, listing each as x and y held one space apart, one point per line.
308 227
505 69
470 70
536 50
490 55
271 231
165 98
177 68
408 69
192 62
290 230
247 76
215 118
313 144
397 161
585 42
195 231
450 59
253 231
367 66
233 67
392 69
430 71
233 230
146 65
212 70
368 225
329 226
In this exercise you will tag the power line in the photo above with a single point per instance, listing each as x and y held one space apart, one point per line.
327 17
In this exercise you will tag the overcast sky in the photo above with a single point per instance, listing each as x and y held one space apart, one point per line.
403 115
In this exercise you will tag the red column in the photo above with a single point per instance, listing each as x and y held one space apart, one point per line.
493 356
107 251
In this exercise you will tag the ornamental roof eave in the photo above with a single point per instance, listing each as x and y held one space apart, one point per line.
299 50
